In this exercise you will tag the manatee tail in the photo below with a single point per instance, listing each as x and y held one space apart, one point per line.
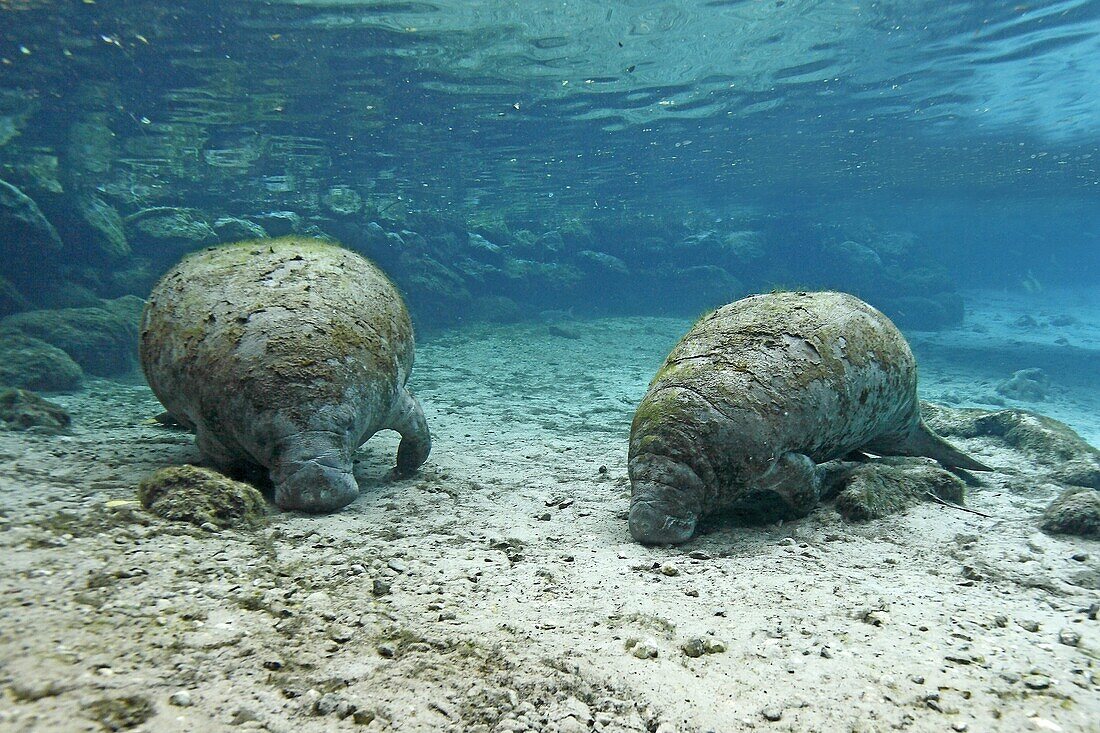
923 442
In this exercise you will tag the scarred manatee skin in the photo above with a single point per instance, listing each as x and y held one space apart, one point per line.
284 355
760 391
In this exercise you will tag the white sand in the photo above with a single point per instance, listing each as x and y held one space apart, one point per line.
499 619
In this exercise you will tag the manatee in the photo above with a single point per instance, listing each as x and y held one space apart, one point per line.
757 394
284 356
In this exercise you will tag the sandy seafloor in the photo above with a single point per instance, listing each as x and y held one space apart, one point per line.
514 586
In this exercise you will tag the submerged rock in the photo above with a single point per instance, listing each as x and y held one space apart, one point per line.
1048 442
31 363
105 227
924 313
27 239
122 713
11 300
889 485
1026 384
200 496
854 257
481 249
342 200
279 223
601 264
166 232
102 340
691 289
442 293
1076 511
496 309
745 247
23 410
232 229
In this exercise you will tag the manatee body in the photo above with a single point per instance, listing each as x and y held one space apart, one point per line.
285 355
759 392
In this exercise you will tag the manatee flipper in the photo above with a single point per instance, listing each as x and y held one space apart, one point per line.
312 472
416 442
224 458
921 441
796 479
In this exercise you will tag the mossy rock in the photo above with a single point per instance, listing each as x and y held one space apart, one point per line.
30 242
891 485
23 410
11 300
199 496
165 232
122 713
101 339
1076 512
104 227
1046 441
233 229
30 363
490 225
917 313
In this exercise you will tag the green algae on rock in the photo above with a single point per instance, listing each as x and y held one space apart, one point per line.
200 496
23 410
1048 442
101 339
122 713
893 484
1076 512
30 363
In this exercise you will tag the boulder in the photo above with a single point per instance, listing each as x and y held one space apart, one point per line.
889 485
481 249
11 300
24 410
1048 442
165 233
1076 512
342 201
689 290
279 223
1032 385
201 496
853 256
496 309
102 340
30 243
601 263
744 247
491 226
916 313
30 363
104 227
232 229
436 292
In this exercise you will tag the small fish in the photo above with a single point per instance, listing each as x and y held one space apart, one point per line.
551 315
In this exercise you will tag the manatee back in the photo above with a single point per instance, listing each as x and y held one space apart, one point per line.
821 373
293 326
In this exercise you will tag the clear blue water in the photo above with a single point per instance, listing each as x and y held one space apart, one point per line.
558 188
970 128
